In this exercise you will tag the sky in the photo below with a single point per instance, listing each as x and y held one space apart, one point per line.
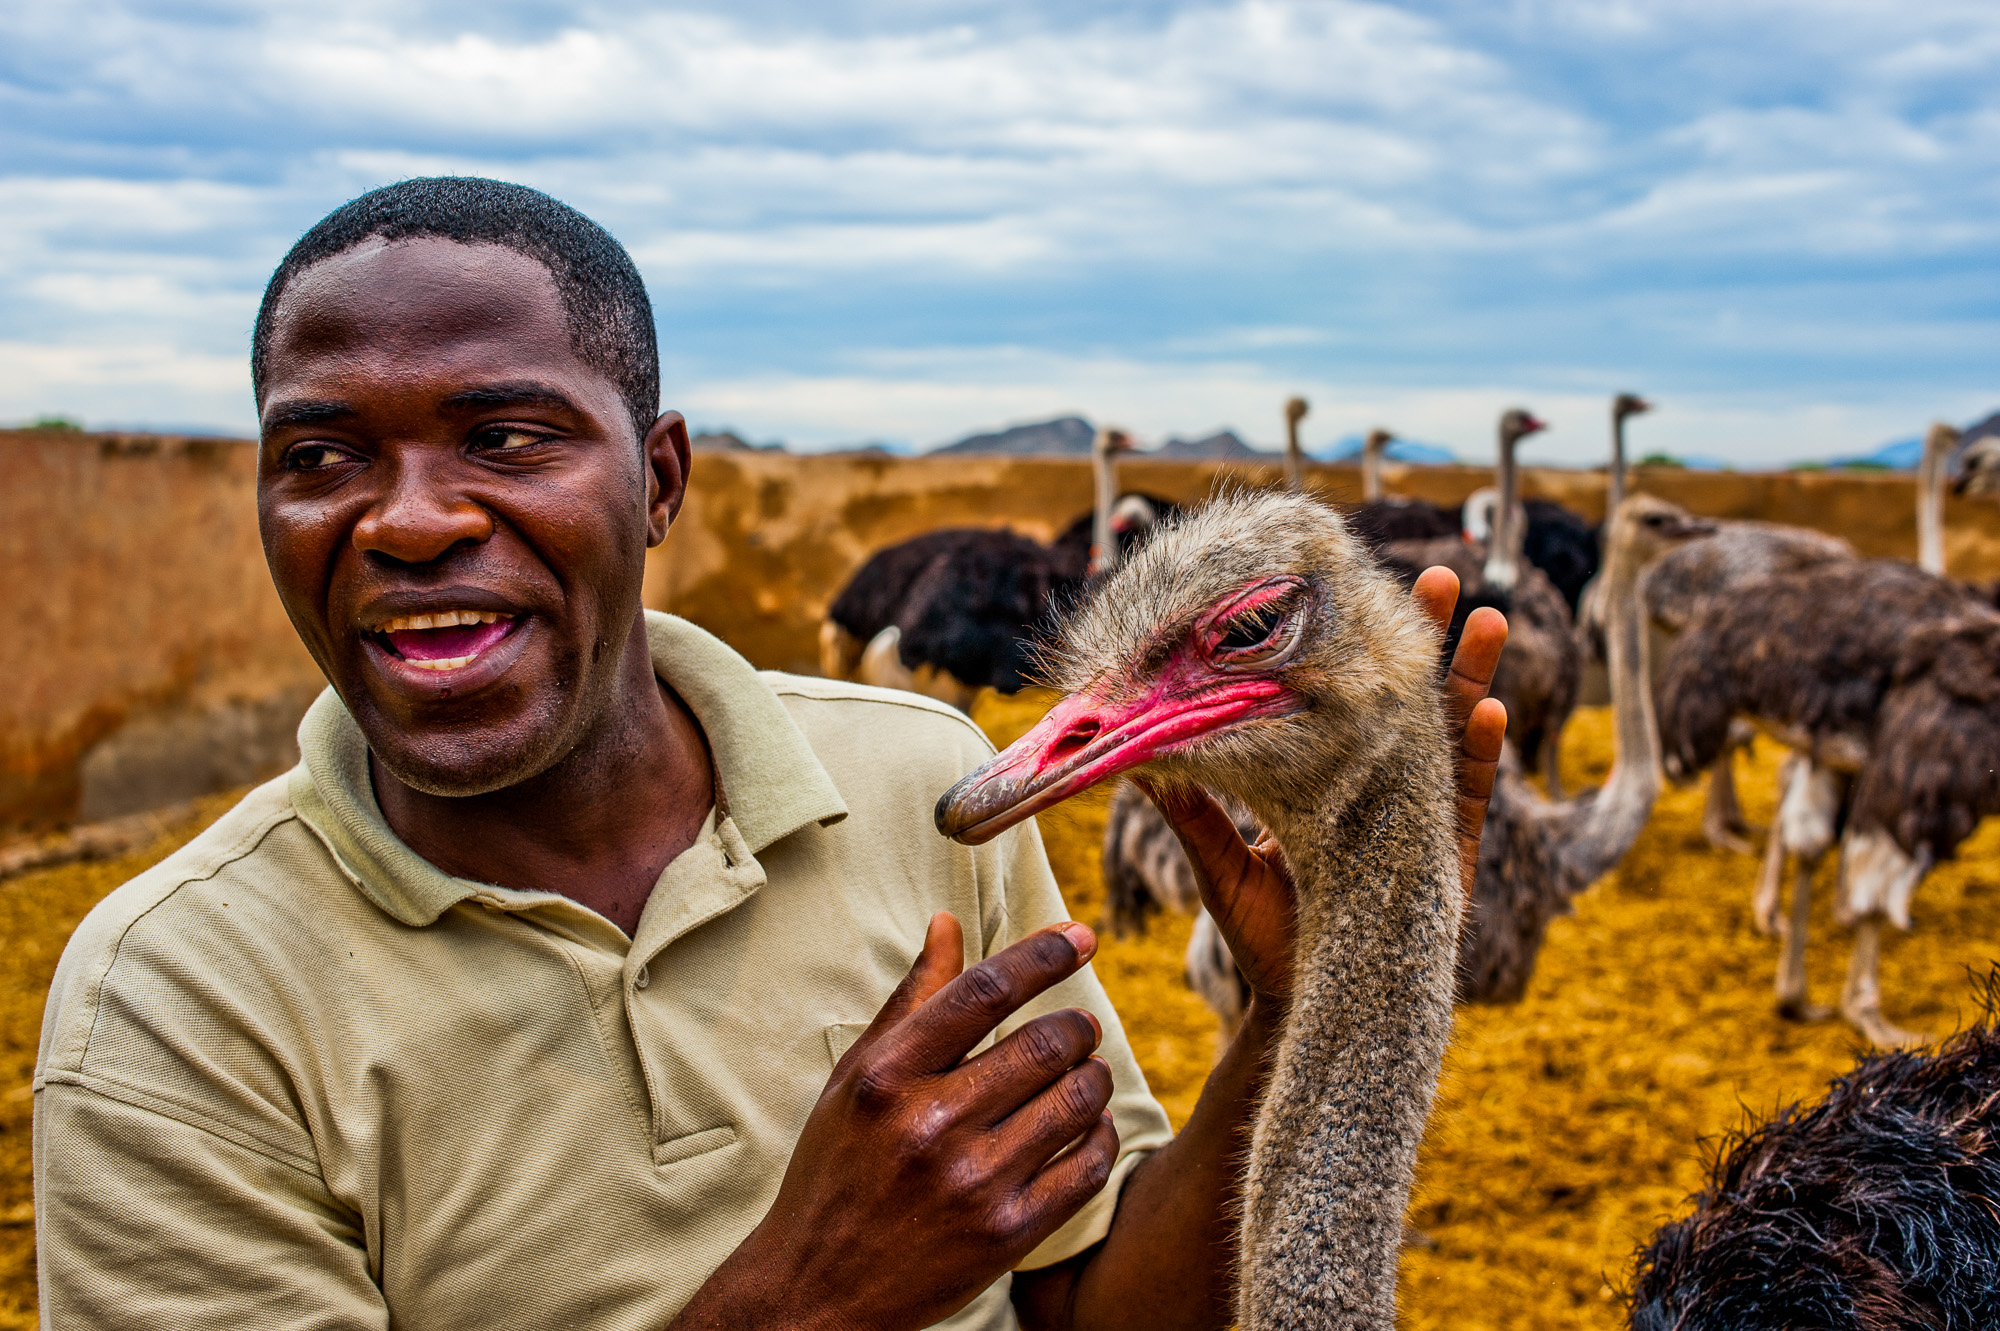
907 220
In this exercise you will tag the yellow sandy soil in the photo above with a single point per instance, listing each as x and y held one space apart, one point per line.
1567 1127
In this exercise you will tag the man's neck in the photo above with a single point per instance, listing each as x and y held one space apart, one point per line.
598 827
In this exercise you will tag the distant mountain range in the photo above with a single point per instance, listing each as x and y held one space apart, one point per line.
1066 436
1905 454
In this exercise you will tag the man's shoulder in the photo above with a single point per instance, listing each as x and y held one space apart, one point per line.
217 893
828 706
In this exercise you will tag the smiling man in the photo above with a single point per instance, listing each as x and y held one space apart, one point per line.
581 975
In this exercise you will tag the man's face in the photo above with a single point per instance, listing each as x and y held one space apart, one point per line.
454 508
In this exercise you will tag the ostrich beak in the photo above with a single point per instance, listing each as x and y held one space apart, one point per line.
1086 738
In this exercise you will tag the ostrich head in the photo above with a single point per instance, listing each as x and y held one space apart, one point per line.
1249 644
1981 469
1628 404
1377 440
1109 441
1516 424
1295 410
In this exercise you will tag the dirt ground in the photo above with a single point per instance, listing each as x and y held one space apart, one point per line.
1567 1127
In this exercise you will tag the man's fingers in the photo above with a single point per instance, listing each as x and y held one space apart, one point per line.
1060 1114
1207 833
1478 763
1028 1060
1473 664
1073 1178
936 1035
1437 595
940 961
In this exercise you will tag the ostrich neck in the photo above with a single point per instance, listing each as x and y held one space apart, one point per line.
1614 819
1335 1145
1293 472
1104 493
1616 494
1371 472
1930 509
1503 556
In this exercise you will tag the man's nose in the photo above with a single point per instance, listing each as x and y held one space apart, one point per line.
420 517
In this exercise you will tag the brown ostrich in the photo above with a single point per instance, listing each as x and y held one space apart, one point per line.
1877 1207
1295 411
1536 854
1848 663
1674 590
1623 407
1254 647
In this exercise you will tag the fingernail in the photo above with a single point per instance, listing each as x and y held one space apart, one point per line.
1082 938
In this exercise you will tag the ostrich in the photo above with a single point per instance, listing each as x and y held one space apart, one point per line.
1372 450
1847 662
1939 444
1877 1207
1623 407
1541 668
1295 411
1979 468
1256 648
1536 854
951 611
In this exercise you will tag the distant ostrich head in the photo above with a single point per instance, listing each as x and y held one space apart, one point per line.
1644 528
1477 515
1628 404
1980 469
1377 440
1295 410
1110 440
1254 640
1517 423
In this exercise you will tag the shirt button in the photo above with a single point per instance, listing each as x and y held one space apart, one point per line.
642 979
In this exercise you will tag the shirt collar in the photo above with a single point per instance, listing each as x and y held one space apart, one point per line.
771 783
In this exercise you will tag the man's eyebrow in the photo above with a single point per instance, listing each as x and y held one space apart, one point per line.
307 412
518 393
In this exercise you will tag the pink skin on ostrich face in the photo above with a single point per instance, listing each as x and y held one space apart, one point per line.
1222 674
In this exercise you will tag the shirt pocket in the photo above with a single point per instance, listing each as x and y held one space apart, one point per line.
840 1037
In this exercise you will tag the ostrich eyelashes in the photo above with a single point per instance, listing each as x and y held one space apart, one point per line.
1261 630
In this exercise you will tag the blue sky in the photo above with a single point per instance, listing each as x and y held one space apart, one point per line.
910 219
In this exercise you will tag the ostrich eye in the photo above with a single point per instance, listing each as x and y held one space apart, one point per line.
1251 630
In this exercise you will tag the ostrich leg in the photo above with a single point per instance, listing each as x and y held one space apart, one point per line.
1792 1004
1861 999
1770 884
1722 819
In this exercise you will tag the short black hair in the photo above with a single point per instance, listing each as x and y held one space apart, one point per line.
604 300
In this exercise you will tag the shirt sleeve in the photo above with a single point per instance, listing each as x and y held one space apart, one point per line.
1030 900
144 1220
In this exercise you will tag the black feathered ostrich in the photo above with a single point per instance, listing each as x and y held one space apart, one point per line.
952 611
1874 671
1877 1207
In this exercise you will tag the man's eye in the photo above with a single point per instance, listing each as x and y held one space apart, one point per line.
508 441
314 457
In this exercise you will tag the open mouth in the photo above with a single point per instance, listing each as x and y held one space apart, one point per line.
444 640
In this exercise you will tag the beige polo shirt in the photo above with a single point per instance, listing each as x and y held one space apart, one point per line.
296 1077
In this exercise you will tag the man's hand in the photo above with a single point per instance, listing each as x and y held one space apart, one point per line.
1248 889
922 1176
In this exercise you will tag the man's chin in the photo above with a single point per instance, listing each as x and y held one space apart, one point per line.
460 765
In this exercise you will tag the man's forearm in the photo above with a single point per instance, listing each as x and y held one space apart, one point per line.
1169 1261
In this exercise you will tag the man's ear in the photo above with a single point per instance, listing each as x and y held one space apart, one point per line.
667 455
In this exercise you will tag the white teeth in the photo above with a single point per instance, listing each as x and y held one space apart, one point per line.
444 619
448 663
